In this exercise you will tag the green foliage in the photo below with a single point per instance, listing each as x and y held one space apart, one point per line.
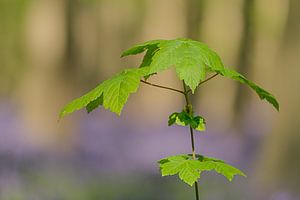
184 119
263 94
189 170
192 60
188 57
112 93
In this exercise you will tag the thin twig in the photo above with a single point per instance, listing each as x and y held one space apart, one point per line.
216 74
163 87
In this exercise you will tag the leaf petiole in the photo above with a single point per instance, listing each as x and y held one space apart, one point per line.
213 76
163 87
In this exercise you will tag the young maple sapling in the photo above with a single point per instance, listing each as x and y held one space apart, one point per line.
192 61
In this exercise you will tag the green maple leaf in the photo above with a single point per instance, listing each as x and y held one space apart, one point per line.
112 93
184 119
263 94
189 59
189 170
219 166
192 60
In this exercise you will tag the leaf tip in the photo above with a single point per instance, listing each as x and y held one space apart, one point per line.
123 55
118 113
277 105
243 174
190 184
61 115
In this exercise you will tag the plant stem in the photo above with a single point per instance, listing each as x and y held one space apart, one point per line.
163 87
189 109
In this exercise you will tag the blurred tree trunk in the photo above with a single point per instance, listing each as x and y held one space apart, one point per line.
194 11
81 61
281 158
244 59
12 51
70 47
166 21
43 92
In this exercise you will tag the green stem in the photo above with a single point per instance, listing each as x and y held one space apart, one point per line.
189 109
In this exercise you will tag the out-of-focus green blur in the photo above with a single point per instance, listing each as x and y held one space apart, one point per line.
52 51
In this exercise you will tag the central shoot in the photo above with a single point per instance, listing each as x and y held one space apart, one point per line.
195 64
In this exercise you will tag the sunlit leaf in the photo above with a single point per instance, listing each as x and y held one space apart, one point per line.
192 60
189 170
112 93
184 119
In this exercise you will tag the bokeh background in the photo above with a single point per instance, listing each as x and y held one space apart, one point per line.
52 51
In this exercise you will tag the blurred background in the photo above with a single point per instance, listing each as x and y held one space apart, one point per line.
52 51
